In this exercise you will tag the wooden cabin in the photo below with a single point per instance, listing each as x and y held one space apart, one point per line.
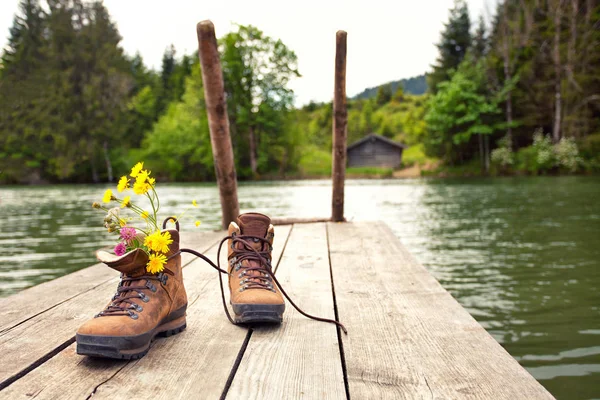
375 151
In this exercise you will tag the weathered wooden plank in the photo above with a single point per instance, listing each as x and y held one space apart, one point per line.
31 302
194 364
408 338
301 358
292 220
25 343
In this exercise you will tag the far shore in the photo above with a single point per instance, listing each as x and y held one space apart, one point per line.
412 172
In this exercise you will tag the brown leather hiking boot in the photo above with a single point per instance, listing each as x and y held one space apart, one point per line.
254 297
145 306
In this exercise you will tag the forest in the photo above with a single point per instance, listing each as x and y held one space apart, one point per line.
519 94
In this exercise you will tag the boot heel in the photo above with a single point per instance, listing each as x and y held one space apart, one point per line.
172 327
257 313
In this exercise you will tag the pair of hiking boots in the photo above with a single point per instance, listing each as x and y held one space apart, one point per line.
146 306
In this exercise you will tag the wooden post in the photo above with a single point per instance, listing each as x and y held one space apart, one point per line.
216 107
340 125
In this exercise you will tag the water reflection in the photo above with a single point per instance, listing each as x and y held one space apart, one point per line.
521 255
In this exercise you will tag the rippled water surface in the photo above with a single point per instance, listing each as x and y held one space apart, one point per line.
520 254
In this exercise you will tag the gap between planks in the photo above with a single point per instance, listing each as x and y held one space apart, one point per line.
337 318
300 357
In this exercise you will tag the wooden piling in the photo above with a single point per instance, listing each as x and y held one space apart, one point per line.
216 107
340 125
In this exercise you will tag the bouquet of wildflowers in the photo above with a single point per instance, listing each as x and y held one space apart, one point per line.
139 228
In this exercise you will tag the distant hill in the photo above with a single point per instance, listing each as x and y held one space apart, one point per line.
414 85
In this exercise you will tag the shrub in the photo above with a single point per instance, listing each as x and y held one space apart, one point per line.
503 156
414 155
315 162
589 150
544 151
369 172
543 156
567 154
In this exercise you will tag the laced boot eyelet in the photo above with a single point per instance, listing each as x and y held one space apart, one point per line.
137 307
133 315
144 298
163 279
150 286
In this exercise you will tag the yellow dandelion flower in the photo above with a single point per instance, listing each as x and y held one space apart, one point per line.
158 241
122 222
144 214
123 184
136 169
194 203
156 263
151 181
198 223
126 202
142 176
141 187
107 196
149 240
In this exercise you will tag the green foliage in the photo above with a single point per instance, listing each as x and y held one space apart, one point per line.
503 156
315 162
460 109
179 142
384 94
257 70
589 148
74 107
567 154
543 156
415 155
358 172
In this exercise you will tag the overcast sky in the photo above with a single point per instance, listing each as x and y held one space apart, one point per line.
387 40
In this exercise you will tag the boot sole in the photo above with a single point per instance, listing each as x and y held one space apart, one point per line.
130 347
258 313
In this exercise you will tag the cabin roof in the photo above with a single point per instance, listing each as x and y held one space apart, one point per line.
374 136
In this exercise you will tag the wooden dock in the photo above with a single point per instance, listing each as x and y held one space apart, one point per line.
408 338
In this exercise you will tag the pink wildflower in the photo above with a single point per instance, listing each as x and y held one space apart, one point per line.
120 249
128 233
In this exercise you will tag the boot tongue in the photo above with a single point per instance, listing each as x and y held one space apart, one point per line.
254 224
132 264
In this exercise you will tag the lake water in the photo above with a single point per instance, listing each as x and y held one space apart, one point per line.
521 255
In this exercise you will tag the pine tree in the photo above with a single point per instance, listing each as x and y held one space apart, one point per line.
23 52
384 94
22 83
480 43
455 41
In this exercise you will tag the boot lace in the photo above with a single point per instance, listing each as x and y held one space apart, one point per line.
260 276
255 276
122 302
